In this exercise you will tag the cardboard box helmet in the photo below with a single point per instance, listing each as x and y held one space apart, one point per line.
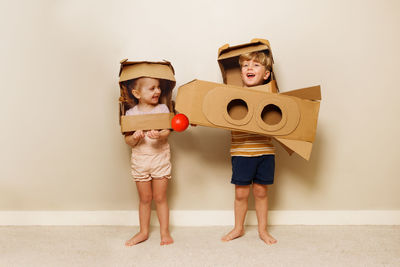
228 61
128 73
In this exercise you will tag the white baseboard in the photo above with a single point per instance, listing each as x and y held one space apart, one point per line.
202 217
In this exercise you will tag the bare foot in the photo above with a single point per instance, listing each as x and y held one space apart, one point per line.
136 239
235 233
267 238
166 239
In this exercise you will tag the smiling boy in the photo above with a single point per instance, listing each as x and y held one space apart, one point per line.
253 157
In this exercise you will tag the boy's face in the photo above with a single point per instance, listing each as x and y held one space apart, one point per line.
148 91
253 73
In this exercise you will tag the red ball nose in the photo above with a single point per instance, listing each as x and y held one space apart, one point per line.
179 122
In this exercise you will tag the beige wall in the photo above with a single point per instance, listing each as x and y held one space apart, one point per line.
61 148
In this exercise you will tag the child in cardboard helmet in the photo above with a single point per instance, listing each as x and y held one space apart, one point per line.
132 70
146 89
132 74
252 155
231 57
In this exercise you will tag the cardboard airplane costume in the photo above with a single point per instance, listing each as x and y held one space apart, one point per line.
290 117
131 70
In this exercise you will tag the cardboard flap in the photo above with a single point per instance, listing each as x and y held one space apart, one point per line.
134 69
227 51
311 93
288 150
302 148
146 122
222 48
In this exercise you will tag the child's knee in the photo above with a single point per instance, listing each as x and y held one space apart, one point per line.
146 198
260 191
242 194
159 198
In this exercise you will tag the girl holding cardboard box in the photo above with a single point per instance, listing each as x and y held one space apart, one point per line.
149 93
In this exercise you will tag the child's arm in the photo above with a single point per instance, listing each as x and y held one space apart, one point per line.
134 138
162 134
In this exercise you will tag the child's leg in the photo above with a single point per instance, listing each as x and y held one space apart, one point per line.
160 198
260 193
145 197
241 201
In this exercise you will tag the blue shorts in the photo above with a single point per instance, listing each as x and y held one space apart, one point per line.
248 170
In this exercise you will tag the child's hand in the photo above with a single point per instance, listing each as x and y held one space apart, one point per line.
134 138
139 134
154 134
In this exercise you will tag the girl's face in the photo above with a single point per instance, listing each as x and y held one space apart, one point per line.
253 73
148 91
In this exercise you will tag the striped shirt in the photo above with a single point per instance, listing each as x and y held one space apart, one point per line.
251 145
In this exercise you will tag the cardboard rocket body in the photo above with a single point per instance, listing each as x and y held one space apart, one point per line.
131 70
290 117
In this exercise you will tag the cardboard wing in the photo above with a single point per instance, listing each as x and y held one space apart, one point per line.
291 118
131 70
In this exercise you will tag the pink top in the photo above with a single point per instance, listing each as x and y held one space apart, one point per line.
148 145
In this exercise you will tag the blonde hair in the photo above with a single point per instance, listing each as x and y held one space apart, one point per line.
258 56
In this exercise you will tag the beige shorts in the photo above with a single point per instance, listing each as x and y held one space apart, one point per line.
146 166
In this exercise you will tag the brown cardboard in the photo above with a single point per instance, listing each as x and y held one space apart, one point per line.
146 122
311 93
130 70
213 105
290 118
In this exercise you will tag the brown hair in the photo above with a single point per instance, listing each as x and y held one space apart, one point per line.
129 97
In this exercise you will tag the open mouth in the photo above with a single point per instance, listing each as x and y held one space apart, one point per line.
250 75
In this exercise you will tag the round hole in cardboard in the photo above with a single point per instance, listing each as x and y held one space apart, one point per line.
237 109
271 114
